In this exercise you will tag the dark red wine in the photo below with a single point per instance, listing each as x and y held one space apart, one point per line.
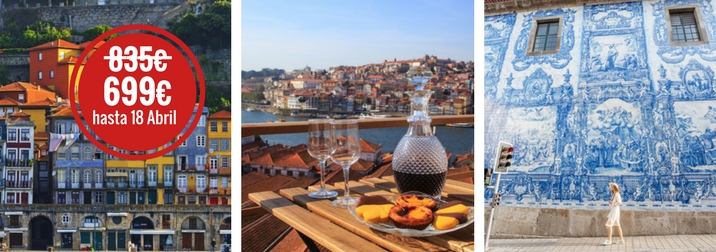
431 184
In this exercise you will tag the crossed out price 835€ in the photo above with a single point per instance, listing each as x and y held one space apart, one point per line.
129 86
138 92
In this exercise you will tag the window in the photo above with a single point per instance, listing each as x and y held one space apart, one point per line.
39 75
213 163
546 36
61 175
75 176
21 97
66 218
224 126
214 182
12 134
121 197
12 154
75 150
25 135
224 182
200 161
98 176
61 198
225 144
214 144
183 143
61 153
168 196
74 128
213 127
140 178
62 55
11 198
685 25
181 181
60 128
152 175
97 154
201 181
200 141
289 173
88 176
168 176
98 197
25 155
52 74
202 121
39 56
224 162
87 153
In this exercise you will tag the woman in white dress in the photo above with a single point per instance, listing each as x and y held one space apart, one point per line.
613 218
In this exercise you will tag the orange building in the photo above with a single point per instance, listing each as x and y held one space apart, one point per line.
52 63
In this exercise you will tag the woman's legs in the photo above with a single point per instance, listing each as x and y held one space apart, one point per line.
609 233
619 229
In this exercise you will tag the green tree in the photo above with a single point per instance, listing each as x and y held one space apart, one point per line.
211 28
4 75
94 32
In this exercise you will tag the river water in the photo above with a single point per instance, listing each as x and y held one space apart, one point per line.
455 140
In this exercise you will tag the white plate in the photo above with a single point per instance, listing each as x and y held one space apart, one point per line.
390 228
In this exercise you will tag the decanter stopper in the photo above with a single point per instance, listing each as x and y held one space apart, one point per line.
419 76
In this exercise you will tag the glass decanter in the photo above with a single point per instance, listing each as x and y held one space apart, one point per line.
419 161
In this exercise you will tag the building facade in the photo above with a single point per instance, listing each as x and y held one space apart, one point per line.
219 149
589 94
191 164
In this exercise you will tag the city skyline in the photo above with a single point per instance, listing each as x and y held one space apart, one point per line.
292 36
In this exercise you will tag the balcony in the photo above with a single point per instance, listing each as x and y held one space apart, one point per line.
213 171
200 190
18 163
18 184
213 191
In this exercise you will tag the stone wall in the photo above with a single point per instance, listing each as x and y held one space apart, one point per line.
84 17
615 101
512 222
18 67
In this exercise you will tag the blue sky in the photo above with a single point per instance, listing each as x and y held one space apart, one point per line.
293 34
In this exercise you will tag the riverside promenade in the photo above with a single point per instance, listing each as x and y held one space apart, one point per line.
667 243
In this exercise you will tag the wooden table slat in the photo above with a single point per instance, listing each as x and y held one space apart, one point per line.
345 219
451 191
316 227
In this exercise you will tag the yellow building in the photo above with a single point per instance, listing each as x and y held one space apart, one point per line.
160 179
219 149
126 181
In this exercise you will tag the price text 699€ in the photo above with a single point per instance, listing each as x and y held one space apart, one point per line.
146 91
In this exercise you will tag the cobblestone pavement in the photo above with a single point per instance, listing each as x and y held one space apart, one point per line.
675 243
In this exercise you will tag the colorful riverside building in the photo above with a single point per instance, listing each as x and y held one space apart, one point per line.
78 169
191 169
160 179
52 63
219 135
19 159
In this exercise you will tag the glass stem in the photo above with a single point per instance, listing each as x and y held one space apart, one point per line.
347 195
323 171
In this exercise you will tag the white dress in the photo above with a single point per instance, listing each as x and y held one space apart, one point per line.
613 219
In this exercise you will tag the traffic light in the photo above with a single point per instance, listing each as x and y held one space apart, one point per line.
504 157
488 176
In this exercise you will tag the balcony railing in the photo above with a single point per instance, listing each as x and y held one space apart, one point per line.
213 191
251 129
18 184
200 190
183 189
213 171
18 163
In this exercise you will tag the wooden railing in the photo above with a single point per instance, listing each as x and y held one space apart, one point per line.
251 129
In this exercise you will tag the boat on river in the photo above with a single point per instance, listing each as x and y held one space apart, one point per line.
302 115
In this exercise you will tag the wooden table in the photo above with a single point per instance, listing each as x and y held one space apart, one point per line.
337 230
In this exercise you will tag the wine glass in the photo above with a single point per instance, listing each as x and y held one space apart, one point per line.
319 147
344 152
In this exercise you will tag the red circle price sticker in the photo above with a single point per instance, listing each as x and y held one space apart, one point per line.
137 92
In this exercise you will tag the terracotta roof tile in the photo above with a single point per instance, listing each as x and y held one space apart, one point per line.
221 115
19 113
252 178
368 146
8 102
71 60
47 102
55 44
86 44
260 234
63 111
42 136
290 243
337 176
270 184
